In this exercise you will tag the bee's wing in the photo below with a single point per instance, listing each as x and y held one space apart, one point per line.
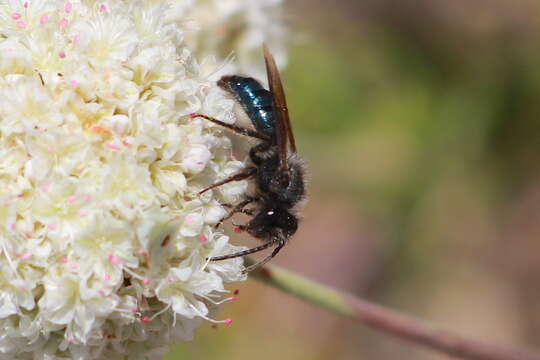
285 137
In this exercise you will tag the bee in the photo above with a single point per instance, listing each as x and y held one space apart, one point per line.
276 169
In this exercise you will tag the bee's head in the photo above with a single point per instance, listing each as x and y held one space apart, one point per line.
273 222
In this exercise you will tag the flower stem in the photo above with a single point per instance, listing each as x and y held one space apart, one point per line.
385 320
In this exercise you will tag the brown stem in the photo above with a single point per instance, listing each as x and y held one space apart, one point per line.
386 320
414 330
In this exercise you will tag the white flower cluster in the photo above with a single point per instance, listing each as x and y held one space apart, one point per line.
103 236
235 27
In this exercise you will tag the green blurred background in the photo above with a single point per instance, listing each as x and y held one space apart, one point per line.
420 123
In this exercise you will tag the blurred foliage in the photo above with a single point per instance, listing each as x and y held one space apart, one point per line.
421 124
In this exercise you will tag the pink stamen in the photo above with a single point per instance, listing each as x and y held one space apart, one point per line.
146 319
25 256
51 227
25 5
146 281
83 213
141 252
72 199
189 219
63 23
135 309
20 24
71 341
113 146
228 321
13 226
63 260
74 84
106 277
62 54
103 8
203 238
51 148
68 7
77 39
44 19
237 229
72 266
19 196
115 260
16 16
45 187
101 292
7 202
87 198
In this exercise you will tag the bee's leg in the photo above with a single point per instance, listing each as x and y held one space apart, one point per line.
237 129
237 177
242 253
280 246
239 208
243 211
249 212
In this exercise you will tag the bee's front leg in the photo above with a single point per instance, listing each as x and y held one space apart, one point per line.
239 208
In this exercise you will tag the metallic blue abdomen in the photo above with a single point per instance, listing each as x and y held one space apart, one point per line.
255 100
